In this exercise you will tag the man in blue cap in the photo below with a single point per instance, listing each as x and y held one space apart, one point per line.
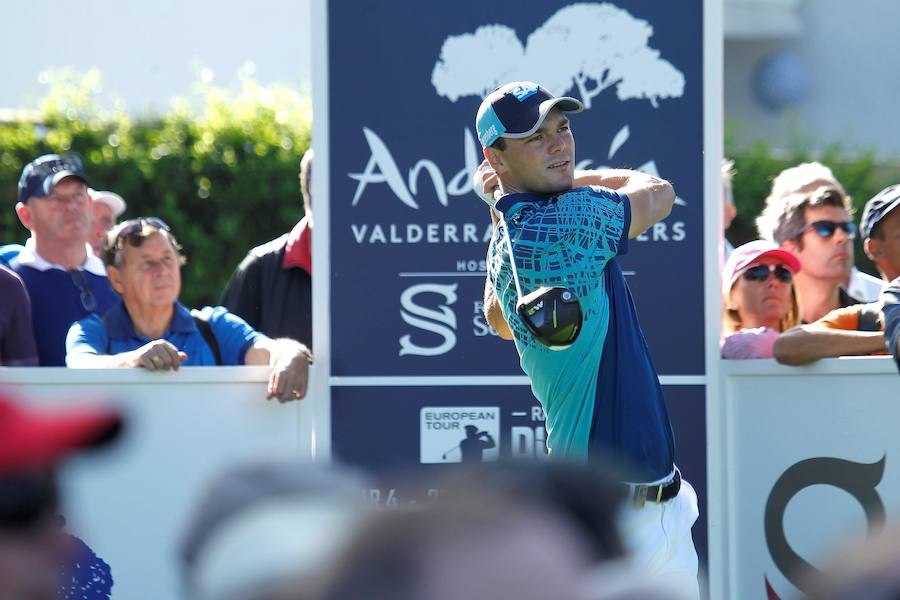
599 390
65 281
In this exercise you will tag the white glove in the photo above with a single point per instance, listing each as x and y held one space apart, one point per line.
485 182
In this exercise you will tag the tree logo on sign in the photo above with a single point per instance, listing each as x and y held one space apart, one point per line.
587 47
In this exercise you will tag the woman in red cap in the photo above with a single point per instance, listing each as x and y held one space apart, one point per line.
758 299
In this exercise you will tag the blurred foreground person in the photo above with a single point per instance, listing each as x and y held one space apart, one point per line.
587 497
481 547
867 570
38 559
269 530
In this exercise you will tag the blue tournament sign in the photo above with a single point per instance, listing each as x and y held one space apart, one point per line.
408 236
412 362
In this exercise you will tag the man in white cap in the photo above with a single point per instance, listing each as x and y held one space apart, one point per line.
107 207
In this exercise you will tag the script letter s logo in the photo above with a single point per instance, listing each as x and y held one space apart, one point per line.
440 320
857 479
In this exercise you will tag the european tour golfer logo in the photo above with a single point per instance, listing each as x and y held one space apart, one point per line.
459 434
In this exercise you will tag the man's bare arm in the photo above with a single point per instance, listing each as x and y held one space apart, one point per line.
651 197
807 343
493 313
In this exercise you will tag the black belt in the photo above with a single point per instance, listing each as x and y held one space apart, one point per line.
639 494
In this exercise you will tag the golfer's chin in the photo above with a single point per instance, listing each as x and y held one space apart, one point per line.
558 183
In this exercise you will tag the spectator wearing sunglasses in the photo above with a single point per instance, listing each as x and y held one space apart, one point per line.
39 559
150 328
758 299
858 329
817 228
65 281
806 178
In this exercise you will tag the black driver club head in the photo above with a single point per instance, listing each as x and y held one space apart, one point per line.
553 315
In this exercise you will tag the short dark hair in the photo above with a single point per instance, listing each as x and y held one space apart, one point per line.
499 144
785 218
877 230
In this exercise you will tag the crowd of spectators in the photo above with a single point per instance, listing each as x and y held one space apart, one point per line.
86 292
795 294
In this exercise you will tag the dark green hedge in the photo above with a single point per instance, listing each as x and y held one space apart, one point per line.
757 165
220 168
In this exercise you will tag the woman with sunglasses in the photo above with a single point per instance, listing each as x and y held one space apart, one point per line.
758 299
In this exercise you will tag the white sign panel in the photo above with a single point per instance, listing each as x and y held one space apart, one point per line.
812 463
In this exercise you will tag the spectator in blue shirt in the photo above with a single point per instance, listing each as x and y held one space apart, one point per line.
149 328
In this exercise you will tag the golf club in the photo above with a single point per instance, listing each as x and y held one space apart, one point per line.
552 314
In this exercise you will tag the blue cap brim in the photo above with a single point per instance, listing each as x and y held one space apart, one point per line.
566 105
492 127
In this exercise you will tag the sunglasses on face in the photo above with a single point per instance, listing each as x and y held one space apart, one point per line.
826 229
761 273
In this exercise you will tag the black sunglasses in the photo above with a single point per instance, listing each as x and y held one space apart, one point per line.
826 229
126 228
761 273
88 300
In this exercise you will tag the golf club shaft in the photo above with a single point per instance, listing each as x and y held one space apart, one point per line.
512 258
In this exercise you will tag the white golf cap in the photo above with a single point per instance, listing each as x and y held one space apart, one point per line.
114 201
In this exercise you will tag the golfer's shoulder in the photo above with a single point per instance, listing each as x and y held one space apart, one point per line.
590 195
594 200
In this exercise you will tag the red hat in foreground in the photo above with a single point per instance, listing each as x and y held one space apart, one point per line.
31 438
